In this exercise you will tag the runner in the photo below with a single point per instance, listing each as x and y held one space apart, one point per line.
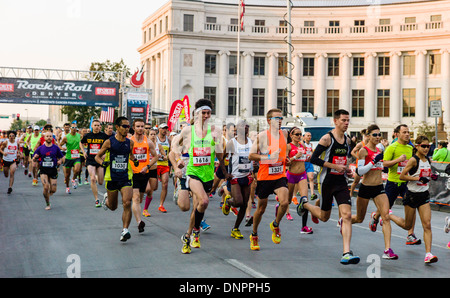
118 174
92 143
241 170
357 178
370 165
10 151
64 132
270 150
417 173
331 155
26 150
50 157
296 175
395 158
74 147
32 142
163 164
142 150
308 165
206 143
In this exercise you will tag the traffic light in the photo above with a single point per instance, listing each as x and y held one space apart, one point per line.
18 116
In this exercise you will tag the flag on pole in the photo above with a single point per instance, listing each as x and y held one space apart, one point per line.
107 114
242 5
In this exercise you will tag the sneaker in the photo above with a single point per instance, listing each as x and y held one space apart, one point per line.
289 217
75 183
314 197
236 234
97 203
276 235
300 208
9 190
226 207
195 238
35 182
234 210
306 230
254 242
314 219
447 224
146 213
186 248
204 226
105 197
162 209
448 245
294 200
429 258
86 182
26 172
349 258
389 254
373 222
125 235
412 240
141 226
68 190
248 221
29 175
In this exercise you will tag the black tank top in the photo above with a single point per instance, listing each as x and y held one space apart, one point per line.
336 153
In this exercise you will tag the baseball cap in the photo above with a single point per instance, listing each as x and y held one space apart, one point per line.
36 127
163 125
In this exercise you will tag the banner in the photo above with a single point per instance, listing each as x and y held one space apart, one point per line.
440 189
186 109
174 114
59 92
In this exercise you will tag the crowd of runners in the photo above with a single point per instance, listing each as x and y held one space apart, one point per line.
243 167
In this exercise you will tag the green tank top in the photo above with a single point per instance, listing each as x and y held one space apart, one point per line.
201 156
73 146
25 139
33 141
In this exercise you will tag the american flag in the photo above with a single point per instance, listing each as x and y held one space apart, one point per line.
242 9
107 114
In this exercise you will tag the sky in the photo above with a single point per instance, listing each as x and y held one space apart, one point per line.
70 34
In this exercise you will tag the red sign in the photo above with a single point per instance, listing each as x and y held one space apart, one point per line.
6 87
174 114
105 91
187 112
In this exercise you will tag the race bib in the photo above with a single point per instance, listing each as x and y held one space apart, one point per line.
140 153
47 162
401 166
75 153
424 173
94 149
244 165
201 156
275 169
120 166
338 160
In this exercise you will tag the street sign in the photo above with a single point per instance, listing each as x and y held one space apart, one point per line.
435 108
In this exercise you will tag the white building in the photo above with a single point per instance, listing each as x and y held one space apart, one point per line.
382 60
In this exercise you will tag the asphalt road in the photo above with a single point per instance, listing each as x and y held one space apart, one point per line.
75 239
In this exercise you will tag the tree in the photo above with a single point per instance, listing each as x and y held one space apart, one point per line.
83 114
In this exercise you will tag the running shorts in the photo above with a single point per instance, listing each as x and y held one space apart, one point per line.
370 191
153 173
162 170
140 181
295 178
309 167
207 186
118 185
416 199
393 190
70 163
265 188
338 191
52 173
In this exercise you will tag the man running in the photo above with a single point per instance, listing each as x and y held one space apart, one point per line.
331 155
26 150
10 151
143 148
50 157
93 142
270 151
118 175
32 142
163 164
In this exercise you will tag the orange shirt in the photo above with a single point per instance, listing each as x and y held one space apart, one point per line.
141 153
274 169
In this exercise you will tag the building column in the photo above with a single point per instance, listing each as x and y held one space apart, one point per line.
445 89
158 81
320 92
370 93
247 91
421 86
152 76
271 98
222 92
297 87
396 90
345 100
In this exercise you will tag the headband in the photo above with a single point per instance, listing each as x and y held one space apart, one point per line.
202 108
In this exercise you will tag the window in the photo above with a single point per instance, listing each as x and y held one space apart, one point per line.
435 64
358 66
282 100
334 23
409 65
160 26
409 102
383 66
210 63
258 102
232 103
360 22
259 66
210 93
149 33
358 103
167 23
410 20
436 18
308 23
282 66
385 21
232 64
333 67
308 67
260 22
434 94
211 20
383 96
188 22
332 102
308 100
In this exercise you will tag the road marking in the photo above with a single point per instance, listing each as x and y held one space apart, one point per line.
244 268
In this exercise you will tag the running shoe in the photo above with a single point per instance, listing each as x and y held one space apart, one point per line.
105 197
26 172
204 226
349 258
235 210
276 235
97 203
430 258
86 182
125 235
226 207
146 213
35 182
68 190
306 230
48 207
314 219
373 222
412 240
289 217
300 208
186 248
195 238
236 234
254 242
75 183
314 197
294 200
162 209
9 190
448 245
447 224
29 175
248 221
389 254
141 226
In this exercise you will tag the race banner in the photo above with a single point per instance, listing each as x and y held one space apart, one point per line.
59 92
440 189
137 103
174 114
186 109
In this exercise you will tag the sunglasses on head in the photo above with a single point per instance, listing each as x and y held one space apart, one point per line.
425 146
376 135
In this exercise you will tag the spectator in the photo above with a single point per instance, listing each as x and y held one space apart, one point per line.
441 153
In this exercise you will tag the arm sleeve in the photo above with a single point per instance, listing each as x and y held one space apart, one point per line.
315 158
362 169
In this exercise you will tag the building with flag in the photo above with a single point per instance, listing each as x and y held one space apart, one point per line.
382 60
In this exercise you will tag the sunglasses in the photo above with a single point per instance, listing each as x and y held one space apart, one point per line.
125 126
277 118
376 135
297 134
425 146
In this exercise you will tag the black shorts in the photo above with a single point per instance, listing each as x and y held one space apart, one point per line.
183 185
207 186
265 188
7 164
70 163
82 159
153 173
416 199
92 162
338 191
219 173
52 173
370 192
393 190
140 181
118 185
26 151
